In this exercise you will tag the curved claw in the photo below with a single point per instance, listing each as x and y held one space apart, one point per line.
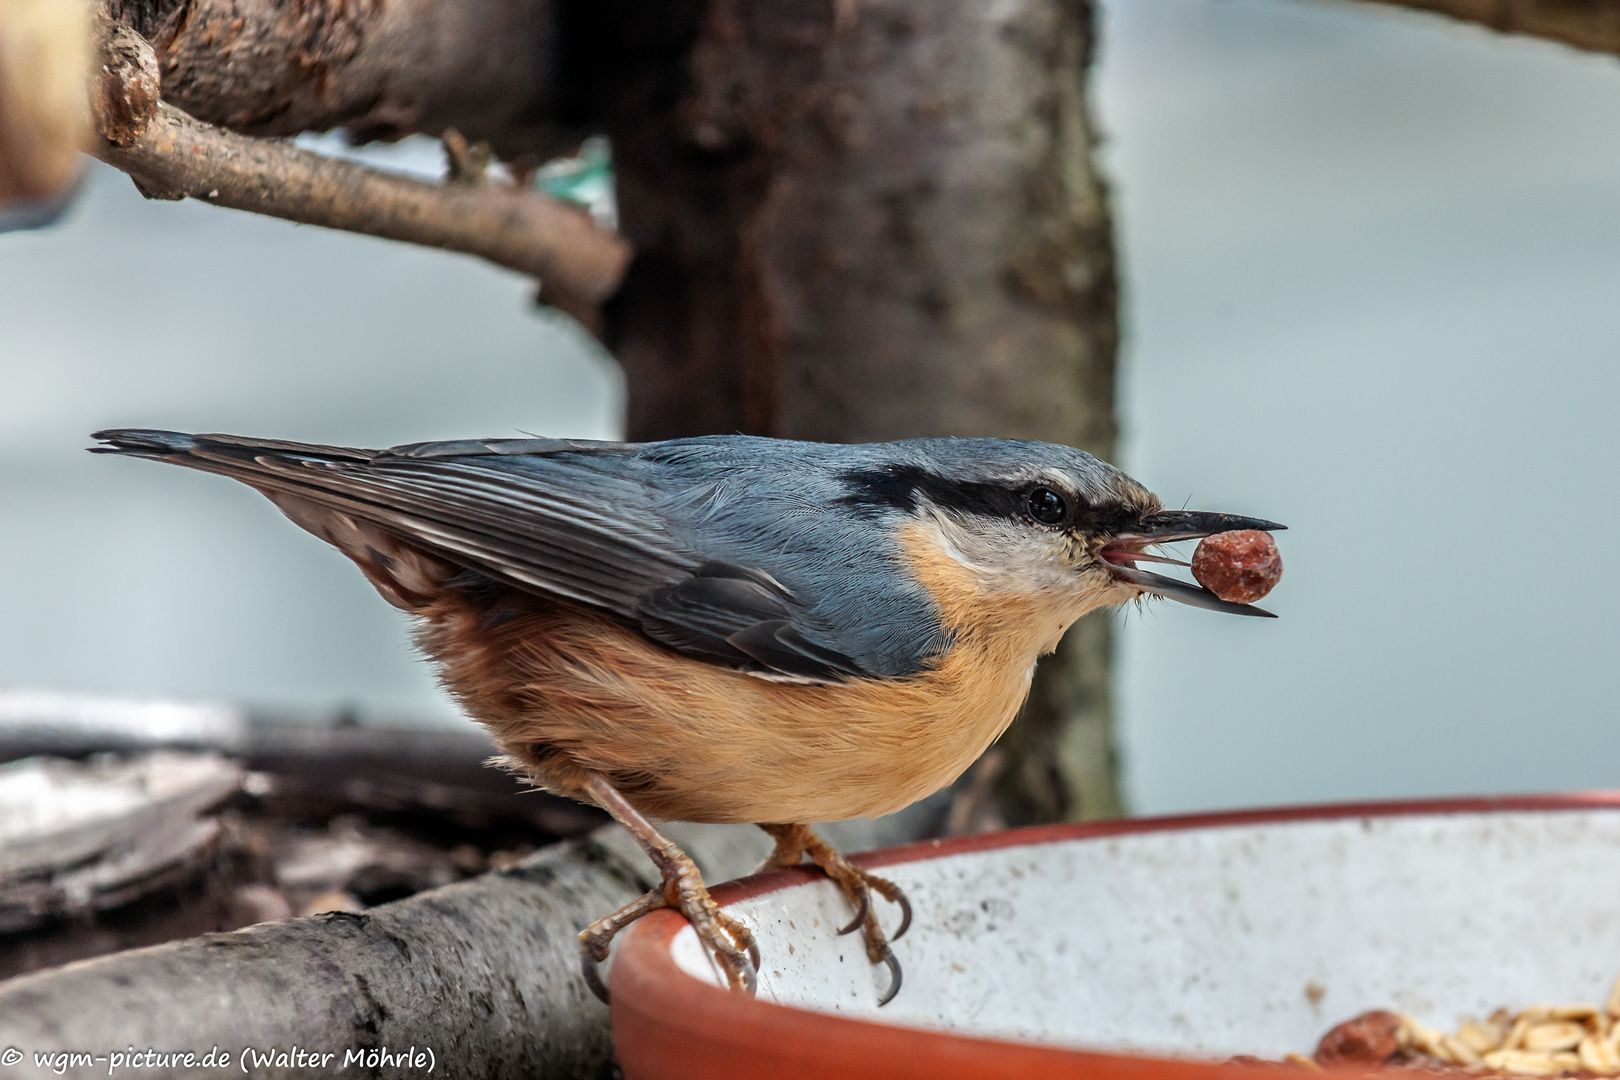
894 984
905 915
750 976
861 911
593 976
742 938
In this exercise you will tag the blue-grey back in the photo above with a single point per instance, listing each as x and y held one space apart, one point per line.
791 510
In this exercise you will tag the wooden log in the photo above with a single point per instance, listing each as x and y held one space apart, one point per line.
482 975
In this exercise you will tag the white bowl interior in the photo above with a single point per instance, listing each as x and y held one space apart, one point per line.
1237 939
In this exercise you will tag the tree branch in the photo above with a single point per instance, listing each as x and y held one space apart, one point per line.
380 70
171 155
1593 25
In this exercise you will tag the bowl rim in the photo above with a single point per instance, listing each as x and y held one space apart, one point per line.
666 1023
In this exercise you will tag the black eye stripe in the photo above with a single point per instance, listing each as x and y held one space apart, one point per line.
904 488
1046 506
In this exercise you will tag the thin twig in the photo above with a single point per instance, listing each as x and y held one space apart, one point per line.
172 155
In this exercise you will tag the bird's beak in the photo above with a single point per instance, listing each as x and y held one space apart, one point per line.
1127 548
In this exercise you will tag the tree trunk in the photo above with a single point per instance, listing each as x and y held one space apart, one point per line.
874 219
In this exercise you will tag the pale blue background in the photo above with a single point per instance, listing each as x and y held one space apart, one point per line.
1372 272
1372 289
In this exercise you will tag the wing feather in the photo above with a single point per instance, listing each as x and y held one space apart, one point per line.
559 518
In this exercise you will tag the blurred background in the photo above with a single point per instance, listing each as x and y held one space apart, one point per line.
1371 288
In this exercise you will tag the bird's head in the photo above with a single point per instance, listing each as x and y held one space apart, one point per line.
1036 523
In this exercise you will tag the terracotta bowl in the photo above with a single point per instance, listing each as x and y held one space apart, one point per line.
1151 948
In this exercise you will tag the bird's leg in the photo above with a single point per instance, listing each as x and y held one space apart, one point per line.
683 889
793 842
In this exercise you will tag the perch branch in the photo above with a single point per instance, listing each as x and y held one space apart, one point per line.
171 155
484 973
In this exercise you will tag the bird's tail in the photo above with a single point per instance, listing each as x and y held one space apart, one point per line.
143 442
306 481
216 453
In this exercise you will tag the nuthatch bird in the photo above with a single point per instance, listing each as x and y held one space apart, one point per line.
729 629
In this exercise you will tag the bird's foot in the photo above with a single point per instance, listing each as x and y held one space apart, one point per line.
682 888
793 842
728 939
595 939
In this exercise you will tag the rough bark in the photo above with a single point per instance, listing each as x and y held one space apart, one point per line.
125 93
382 70
873 220
470 971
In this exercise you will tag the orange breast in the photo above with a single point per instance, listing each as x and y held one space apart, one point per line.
565 689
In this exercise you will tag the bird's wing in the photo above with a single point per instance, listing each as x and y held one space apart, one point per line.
568 520
743 617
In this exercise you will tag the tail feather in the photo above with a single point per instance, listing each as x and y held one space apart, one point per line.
406 576
143 442
178 446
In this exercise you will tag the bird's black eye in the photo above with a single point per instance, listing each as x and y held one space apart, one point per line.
1046 506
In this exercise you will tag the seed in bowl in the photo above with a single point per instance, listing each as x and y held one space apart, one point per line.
1543 1040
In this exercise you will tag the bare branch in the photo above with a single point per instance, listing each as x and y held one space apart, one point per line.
171 156
1593 25
177 156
